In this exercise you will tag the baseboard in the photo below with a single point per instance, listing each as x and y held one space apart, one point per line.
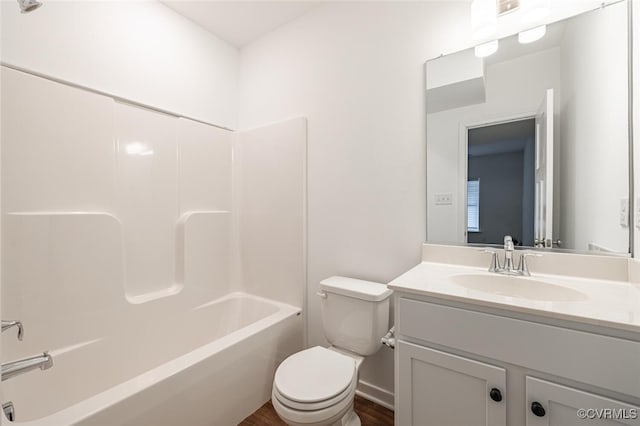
375 394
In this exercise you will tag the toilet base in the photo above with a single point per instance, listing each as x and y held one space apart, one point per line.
349 419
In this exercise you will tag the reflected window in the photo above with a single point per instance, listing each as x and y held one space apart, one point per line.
473 205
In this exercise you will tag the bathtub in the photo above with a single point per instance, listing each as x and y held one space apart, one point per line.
212 365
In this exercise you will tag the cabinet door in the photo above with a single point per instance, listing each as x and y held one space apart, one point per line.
439 389
565 406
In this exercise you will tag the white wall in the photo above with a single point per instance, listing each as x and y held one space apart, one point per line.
356 71
139 50
269 192
593 130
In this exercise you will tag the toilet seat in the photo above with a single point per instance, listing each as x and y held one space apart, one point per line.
319 405
314 379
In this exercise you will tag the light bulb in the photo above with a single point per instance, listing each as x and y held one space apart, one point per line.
529 36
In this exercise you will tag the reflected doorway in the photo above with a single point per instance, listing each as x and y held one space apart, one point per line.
501 182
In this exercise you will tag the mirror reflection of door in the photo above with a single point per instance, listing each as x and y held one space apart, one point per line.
501 183
543 220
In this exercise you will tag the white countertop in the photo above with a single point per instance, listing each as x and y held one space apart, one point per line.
613 304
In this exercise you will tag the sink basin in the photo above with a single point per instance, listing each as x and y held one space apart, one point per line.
518 287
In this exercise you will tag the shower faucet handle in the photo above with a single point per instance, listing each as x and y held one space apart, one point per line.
8 324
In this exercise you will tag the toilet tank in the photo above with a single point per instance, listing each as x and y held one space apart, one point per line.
355 313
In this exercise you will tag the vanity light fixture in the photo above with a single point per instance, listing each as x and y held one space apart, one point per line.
486 49
534 34
507 6
484 19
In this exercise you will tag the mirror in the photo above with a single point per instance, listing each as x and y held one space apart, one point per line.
532 141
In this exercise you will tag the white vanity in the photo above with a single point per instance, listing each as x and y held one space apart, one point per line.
518 145
478 348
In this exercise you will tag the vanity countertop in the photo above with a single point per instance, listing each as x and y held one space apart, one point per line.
605 303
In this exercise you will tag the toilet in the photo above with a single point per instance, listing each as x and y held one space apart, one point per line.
316 386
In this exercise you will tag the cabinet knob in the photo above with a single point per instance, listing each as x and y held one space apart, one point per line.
538 409
495 394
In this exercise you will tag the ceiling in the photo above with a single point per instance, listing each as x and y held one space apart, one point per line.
240 22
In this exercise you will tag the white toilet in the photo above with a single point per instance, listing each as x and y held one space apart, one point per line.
316 387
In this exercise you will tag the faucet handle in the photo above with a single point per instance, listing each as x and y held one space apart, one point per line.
523 269
495 263
8 324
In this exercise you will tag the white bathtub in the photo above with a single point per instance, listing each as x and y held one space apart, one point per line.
212 365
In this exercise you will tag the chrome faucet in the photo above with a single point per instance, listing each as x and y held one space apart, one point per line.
8 324
15 368
508 255
508 268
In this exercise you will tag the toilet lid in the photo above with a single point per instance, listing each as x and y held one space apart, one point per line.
313 375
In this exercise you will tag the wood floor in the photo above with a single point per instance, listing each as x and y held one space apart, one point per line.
370 415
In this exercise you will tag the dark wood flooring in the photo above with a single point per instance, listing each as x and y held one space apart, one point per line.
371 414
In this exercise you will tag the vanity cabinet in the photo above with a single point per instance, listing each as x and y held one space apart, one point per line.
449 359
550 404
481 386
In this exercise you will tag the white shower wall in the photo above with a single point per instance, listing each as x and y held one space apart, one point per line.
105 201
270 198
75 153
171 171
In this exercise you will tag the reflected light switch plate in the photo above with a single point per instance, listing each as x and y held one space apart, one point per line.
444 199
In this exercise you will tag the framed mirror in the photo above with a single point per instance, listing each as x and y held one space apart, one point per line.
533 140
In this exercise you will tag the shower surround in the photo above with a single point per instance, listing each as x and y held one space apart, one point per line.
159 259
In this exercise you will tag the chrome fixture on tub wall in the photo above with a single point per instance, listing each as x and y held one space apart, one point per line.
15 368
27 6
9 324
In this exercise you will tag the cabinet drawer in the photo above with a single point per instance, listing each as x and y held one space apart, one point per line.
603 361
